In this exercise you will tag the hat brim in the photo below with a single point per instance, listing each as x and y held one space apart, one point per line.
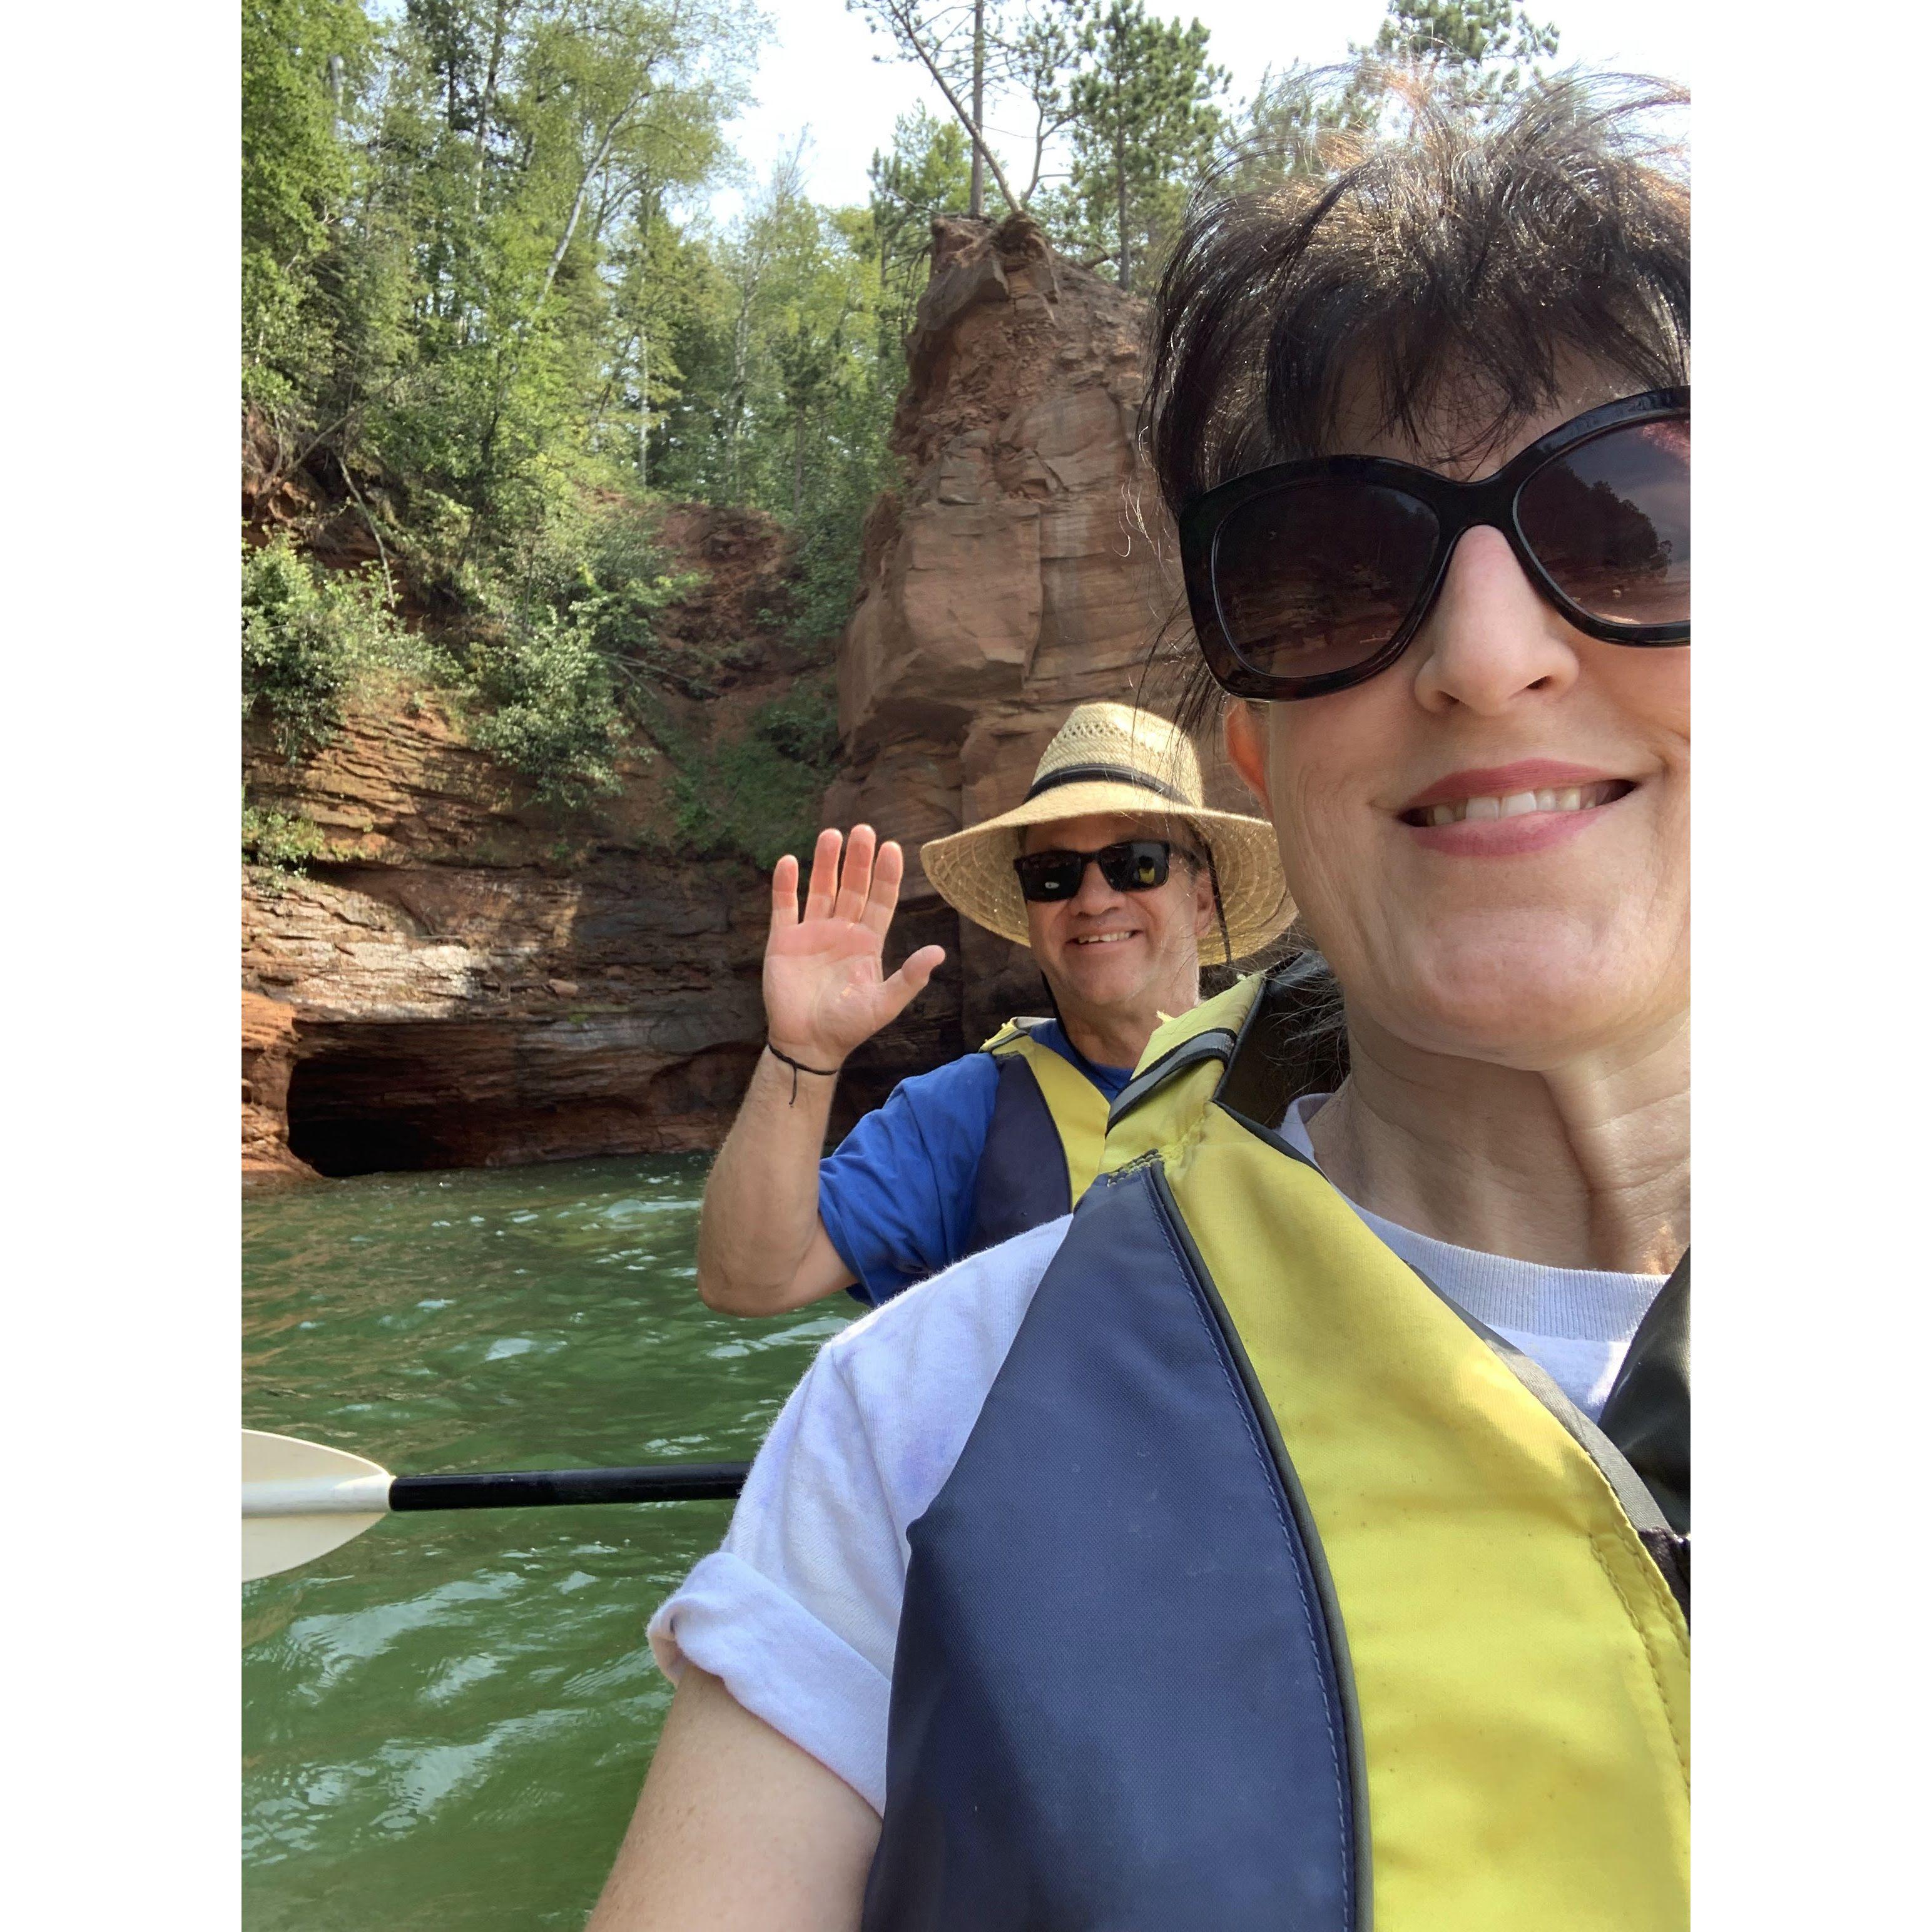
973 870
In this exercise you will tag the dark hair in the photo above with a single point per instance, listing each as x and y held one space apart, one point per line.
1456 252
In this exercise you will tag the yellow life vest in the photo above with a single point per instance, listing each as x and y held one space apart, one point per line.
1270 1590
1044 1144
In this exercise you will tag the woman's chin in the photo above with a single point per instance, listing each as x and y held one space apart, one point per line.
1532 1000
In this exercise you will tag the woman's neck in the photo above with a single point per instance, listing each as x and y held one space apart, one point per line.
1585 1165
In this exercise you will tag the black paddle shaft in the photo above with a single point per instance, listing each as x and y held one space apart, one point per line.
516 1489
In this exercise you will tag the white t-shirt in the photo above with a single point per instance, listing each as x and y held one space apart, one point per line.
798 1612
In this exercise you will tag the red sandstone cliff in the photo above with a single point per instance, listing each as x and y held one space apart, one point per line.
469 981
1010 579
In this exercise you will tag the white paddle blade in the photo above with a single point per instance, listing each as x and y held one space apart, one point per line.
300 1500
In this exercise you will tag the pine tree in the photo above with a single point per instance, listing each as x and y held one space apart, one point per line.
1473 51
1145 121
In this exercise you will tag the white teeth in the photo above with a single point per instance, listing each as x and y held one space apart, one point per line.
1101 938
1573 798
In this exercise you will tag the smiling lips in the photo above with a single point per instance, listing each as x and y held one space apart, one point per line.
1510 808
1518 804
1098 938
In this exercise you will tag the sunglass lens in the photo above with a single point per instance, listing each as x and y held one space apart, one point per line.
1049 875
1314 578
1610 522
1134 866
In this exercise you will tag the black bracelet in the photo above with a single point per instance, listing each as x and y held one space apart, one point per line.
799 1066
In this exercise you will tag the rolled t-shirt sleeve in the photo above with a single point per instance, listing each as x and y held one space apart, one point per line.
798 1613
896 1195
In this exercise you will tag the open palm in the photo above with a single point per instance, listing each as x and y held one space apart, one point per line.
826 990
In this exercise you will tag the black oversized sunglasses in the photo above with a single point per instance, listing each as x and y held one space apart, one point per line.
1311 576
1133 865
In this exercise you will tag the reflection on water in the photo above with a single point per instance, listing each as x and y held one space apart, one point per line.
445 1721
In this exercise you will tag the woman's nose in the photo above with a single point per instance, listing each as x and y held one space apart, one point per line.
1490 636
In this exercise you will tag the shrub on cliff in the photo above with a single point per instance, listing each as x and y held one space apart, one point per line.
307 636
553 716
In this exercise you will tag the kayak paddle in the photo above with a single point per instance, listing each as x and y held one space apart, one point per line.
300 1500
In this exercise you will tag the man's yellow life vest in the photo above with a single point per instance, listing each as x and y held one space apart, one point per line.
1044 1144
1270 1591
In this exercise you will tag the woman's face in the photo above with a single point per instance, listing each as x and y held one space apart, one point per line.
1524 933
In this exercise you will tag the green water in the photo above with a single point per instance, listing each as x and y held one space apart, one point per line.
445 1722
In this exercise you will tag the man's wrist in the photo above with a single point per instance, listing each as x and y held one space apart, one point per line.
805 1059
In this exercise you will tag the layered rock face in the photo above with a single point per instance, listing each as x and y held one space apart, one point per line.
1017 573
469 980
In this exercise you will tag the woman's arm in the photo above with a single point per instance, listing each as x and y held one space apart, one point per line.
737 1830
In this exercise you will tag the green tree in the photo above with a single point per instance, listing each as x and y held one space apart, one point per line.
954 41
1475 52
926 173
488 320
300 61
1467 57
1146 119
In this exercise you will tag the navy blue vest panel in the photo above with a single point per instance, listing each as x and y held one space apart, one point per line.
1023 1180
1115 1705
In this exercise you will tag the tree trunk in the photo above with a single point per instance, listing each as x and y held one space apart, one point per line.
603 154
977 206
901 17
644 412
499 32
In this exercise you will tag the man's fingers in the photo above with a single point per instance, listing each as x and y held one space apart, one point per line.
887 872
909 981
784 894
824 887
856 881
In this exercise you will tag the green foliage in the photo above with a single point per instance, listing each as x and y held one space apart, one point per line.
475 284
793 364
280 842
1465 58
1146 121
927 171
298 56
1474 51
307 637
554 714
757 797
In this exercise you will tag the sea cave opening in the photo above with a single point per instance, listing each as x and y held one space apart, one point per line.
346 1117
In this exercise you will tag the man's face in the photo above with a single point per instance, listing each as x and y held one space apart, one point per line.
1105 951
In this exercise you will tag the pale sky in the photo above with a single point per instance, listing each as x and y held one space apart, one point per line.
817 74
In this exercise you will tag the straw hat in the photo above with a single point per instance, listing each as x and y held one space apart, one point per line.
1113 759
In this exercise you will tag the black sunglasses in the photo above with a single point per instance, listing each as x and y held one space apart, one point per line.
1309 577
1133 865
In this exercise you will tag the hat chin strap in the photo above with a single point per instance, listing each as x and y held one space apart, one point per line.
1220 916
